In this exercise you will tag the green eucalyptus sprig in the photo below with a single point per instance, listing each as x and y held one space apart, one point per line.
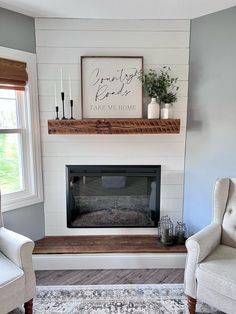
150 82
169 87
168 98
162 86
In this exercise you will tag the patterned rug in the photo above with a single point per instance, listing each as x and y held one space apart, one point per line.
117 299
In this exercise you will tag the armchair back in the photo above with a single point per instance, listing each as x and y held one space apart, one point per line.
229 219
224 209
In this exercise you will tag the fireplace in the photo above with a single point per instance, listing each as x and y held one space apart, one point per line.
113 196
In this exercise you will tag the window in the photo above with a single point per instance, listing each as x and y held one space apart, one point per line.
20 164
12 170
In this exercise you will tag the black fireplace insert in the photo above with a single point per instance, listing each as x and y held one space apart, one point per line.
113 196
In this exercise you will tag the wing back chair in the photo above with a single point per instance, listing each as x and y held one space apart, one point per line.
210 273
17 279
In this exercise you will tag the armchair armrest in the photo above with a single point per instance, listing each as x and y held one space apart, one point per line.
16 247
19 250
199 246
204 242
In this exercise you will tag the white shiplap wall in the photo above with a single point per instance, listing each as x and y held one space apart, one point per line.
60 43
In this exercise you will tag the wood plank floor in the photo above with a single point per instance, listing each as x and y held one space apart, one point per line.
104 244
109 277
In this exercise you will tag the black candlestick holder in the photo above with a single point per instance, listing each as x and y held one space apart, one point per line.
57 110
71 110
63 106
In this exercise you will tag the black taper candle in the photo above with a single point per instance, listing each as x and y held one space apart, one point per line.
57 109
63 106
71 110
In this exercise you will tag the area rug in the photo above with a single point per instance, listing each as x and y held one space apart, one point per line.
117 299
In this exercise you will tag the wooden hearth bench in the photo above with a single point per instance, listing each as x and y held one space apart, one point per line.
104 244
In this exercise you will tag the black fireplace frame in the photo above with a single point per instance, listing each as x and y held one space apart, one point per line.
106 170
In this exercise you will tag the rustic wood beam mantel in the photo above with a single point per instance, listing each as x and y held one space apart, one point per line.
114 126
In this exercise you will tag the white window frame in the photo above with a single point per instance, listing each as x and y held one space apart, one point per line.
33 188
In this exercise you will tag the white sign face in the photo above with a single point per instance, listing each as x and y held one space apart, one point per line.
110 87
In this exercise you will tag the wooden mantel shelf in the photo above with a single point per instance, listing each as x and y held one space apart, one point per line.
114 126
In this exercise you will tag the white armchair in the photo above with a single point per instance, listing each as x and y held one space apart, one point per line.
210 272
17 279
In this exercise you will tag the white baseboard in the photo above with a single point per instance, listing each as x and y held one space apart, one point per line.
108 261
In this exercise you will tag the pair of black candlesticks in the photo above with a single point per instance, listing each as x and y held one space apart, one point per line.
63 108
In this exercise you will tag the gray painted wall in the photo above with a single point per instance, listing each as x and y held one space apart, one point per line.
17 31
211 125
28 221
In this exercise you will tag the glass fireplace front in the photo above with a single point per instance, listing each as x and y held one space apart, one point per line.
113 196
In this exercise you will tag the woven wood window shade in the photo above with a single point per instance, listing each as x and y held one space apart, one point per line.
13 74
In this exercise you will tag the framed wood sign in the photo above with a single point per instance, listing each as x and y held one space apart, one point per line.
110 87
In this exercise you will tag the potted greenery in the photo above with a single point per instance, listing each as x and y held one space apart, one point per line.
162 86
168 93
151 87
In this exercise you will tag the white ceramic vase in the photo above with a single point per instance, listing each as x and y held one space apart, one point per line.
166 111
153 109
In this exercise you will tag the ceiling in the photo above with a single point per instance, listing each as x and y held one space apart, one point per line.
118 9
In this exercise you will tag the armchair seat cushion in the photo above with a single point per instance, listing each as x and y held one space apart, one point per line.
12 285
9 271
218 271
